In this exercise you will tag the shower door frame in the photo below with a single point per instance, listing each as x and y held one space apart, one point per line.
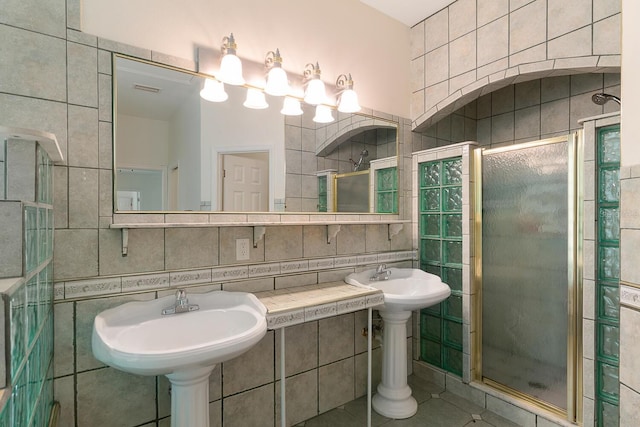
575 155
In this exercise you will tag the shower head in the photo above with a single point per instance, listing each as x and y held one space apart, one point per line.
364 153
603 98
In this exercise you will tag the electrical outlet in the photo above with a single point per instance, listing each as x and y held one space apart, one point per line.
242 249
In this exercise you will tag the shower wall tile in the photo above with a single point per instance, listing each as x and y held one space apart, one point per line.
108 395
295 280
606 36
502 100
251 369
65 395
554 116
82 75
436 67
502 128
436 30
32 15
576 43
416 40
629 248
377 238
105 194
629 403
527 122
582 107
488 10
527 94
528 26
105 145
191 247
83 137
605 8
629 348
462 18
105 105
493 41
315 242
584 83
83 198
253 408
39 71
63 354
462 54
511 412
75 253
145 251
565 16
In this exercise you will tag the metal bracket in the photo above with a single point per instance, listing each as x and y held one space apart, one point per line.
332 232
125 241
395 229
258 234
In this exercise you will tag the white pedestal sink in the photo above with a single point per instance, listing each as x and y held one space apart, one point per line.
137 338
405 290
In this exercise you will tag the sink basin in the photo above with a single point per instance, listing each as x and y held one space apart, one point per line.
406 289
137 338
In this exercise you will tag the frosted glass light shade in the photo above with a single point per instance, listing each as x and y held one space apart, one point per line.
277 82
213 91
255 99
231 70
291 107
323 114
315 93
349 102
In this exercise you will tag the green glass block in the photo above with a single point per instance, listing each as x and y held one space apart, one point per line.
608 380
429 174
453 307
19 398
453 333
608 302
430 225
386 179
432 327
609 224
452 171
431 268
452 199
32 308
609 185
44 299
31 237
430 352
430 200
453 225
453 278
386 202
322 185
5 415
609 263
453 252
608 414
608 342
610 146
435 309
18 323
50 233
452 360
43 235
430 250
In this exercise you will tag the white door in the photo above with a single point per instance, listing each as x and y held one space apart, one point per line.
174 180
128 200
245 182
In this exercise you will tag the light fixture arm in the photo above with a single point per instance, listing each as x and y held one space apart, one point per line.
311 71
273 59
343 82
229 45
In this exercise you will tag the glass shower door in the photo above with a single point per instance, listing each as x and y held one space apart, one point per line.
526 265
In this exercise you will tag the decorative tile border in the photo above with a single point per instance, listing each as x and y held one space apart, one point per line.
350 305
320 311
104 286
630 297
290 318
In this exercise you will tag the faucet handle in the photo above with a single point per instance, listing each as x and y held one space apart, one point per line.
181 294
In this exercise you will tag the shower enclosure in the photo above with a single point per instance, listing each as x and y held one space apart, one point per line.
527 229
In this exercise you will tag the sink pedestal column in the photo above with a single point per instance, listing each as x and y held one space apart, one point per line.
394 399
190 397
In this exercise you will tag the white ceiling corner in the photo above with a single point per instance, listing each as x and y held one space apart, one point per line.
409 12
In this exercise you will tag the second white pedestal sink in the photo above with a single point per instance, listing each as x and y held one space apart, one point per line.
137 338
405 290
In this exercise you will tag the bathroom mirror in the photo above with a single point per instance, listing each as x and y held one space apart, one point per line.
174 151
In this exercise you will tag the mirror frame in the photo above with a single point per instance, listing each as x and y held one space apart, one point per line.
247 218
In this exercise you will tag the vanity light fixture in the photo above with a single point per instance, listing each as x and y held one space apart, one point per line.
213 91
347 97
315 93
323 114
291 107
230 65
255 99
277 81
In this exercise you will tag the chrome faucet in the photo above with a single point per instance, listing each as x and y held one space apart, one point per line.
381 273
182 304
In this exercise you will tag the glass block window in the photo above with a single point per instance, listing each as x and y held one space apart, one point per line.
440 233
607 277
322 193
386 190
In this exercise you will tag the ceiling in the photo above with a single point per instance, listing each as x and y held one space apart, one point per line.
409 12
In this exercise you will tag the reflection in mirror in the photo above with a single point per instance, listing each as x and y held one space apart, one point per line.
174 151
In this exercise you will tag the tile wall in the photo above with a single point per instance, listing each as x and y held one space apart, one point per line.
474 47
62 84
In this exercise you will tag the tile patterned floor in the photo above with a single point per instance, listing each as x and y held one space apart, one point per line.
436 408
